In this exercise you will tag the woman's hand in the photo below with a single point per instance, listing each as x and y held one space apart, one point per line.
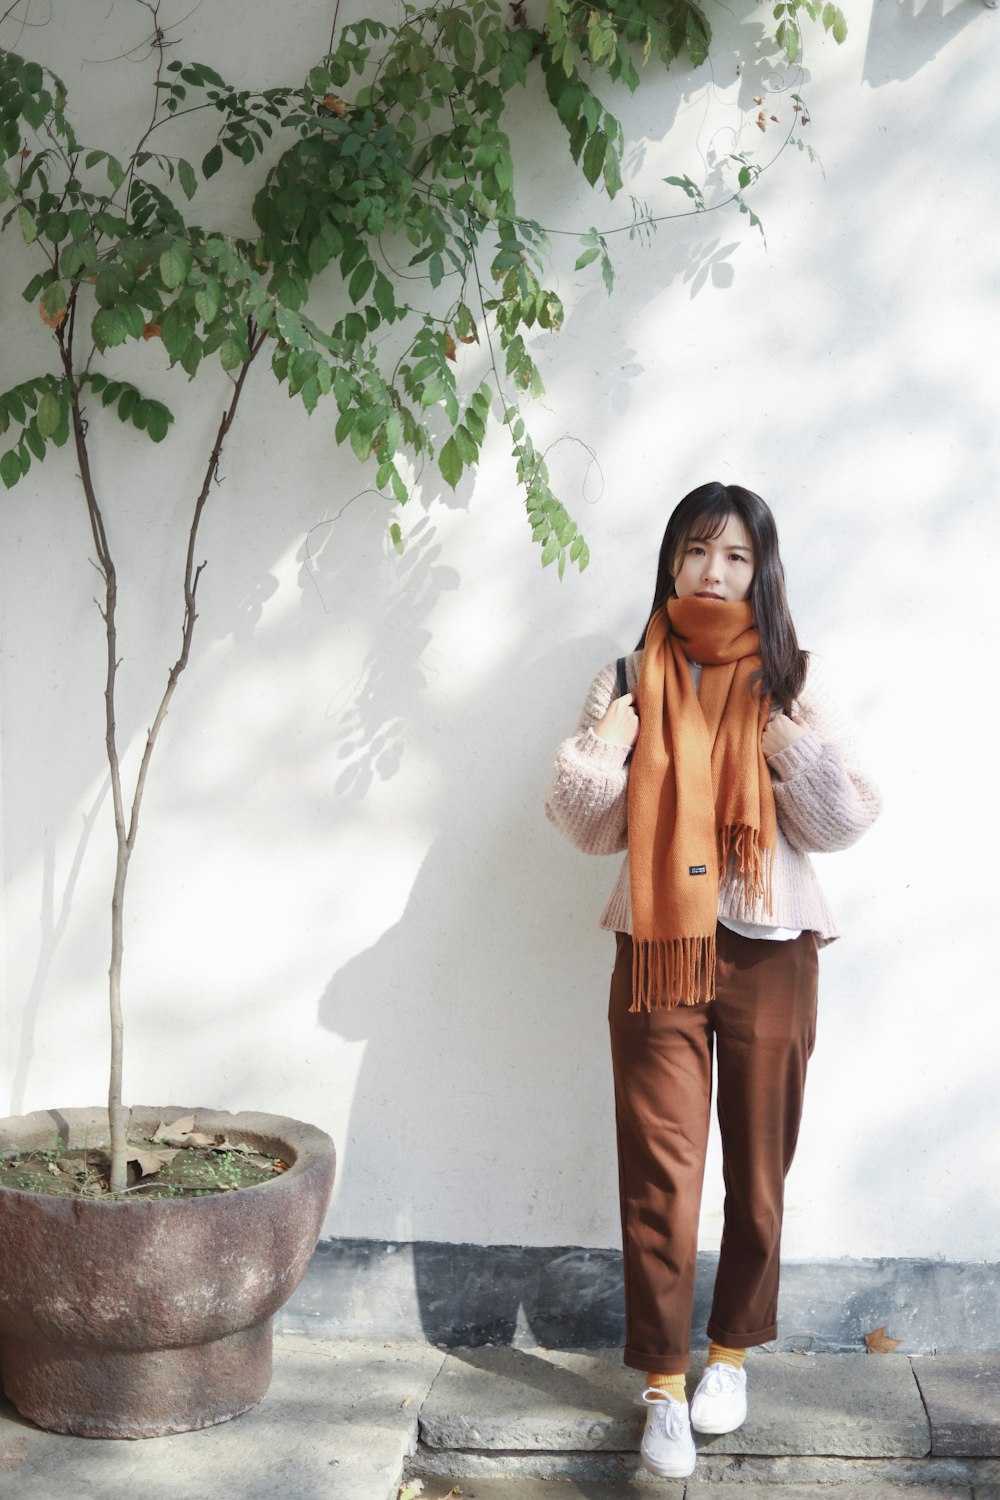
620 725
781 732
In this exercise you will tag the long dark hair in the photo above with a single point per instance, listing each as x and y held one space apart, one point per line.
700 517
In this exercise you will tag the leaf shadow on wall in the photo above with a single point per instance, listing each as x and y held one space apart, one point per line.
905 35
483 1013
371 710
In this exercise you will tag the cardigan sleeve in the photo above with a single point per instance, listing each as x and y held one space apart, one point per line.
823 800
587 799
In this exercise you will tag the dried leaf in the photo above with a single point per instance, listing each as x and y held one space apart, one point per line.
762 121
53 1169
335 106
449 345
405 1402
879 1342
759 101
182 1133
149 1162
151 331
51 319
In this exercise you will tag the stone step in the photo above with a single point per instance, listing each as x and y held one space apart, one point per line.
529 1423
693 1489
520 1400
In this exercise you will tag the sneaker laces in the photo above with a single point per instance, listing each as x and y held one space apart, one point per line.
722 1380
669 1416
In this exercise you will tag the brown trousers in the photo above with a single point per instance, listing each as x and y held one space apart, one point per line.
762 1024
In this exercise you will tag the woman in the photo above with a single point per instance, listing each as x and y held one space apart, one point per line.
723 762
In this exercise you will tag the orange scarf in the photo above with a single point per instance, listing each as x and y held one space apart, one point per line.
699 795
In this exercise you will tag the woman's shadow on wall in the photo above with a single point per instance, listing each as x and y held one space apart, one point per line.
483 1013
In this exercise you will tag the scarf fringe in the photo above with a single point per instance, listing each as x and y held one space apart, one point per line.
667 972
754 864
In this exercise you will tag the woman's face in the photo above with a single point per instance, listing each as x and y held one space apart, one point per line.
720 567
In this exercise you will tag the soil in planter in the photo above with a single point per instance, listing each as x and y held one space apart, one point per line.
161 1165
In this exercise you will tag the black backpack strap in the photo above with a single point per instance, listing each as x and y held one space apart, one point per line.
622 678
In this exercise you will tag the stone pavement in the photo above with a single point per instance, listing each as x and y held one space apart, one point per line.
530 1424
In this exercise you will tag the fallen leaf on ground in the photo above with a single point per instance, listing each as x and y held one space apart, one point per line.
149 1162
879 1342
405 1402
182 1133
56 1171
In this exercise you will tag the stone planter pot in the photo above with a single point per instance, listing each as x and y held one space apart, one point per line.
139 1318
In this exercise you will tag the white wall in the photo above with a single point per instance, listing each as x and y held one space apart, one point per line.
346 902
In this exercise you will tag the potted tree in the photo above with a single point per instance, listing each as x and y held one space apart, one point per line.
121 1313
126 1314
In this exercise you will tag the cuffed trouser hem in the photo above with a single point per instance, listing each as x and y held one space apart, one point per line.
730 1340
657 1364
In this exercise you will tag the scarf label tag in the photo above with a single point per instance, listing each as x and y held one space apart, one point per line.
697 869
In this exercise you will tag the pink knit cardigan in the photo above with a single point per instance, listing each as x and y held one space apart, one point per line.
823 802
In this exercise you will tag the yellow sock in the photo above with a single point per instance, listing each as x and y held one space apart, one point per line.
673 1385
718 1354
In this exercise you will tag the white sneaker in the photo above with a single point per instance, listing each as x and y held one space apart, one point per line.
667 1448
720 1402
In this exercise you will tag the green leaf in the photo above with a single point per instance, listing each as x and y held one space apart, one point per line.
175 263
385 299
128 403
109 328
230 353
467 449
10 468
396 537
361 280
56 227
586 258
189 181
212 162
593 156
206 301
28 226
450 463
48 414
134 318
158 420
551 550
290 327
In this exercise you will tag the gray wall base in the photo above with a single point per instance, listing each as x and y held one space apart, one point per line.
567 1298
